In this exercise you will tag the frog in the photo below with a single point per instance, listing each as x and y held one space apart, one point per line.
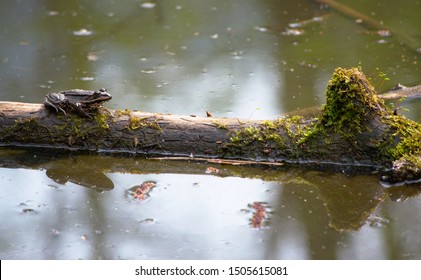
80 101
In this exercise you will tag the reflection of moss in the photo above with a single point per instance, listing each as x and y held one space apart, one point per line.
350 202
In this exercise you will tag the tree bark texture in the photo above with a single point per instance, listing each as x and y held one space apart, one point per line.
24 124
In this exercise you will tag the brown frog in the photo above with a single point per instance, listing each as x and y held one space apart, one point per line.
79 101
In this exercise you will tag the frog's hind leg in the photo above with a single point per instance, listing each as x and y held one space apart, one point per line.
79 110
64 112
51 105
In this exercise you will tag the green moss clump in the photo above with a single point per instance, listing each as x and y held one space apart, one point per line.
247 136
351 116
355 113
350 101
408 134
101 120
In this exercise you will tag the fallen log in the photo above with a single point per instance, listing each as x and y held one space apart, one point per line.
355 128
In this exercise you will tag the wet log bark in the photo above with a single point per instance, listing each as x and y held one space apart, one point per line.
355 128
116 131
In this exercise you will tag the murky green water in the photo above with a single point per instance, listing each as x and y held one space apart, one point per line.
247 59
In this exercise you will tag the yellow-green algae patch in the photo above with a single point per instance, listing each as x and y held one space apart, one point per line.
136 122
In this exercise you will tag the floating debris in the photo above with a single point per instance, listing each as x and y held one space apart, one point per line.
377 222
53 13
211 170
293 32
29 211
148 71
381 32
307 65
141 192
92 56
147 5
87 79
384 33
237 54
305 22
261 28
147 221
82 32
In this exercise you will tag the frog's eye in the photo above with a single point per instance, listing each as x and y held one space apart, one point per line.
102 90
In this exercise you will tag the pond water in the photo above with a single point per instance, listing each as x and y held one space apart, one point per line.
246 59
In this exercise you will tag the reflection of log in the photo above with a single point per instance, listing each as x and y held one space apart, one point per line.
355 128
402 37
349 203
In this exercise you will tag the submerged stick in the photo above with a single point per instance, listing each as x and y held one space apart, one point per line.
402 37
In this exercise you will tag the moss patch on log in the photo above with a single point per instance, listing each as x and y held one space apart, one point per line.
136 122
79 131
279 139
350 101
354 112
354 121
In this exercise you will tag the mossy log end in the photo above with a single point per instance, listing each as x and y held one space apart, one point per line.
355 128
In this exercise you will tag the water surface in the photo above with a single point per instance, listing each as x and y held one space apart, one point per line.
246 59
